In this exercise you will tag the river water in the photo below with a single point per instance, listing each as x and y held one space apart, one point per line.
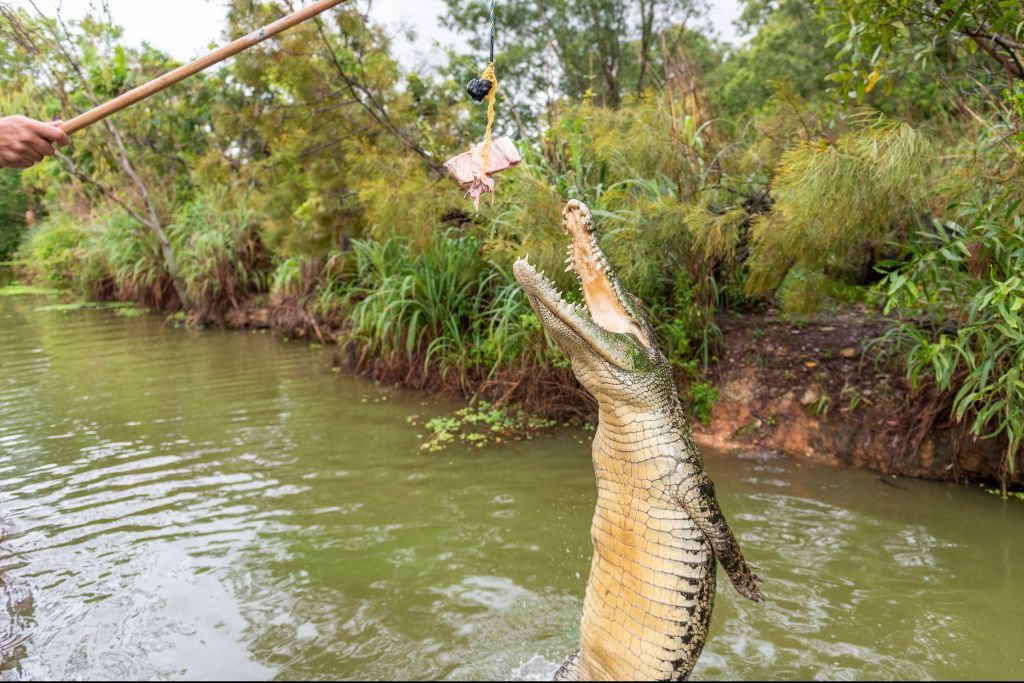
197 504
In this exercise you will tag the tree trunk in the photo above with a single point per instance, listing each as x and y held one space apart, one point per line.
153 222
646 39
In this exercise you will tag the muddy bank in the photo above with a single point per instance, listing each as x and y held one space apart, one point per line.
549 392
824 391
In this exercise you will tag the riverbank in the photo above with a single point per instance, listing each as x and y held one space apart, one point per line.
829 392
822 390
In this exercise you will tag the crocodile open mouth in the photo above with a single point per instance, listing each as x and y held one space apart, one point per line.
605 301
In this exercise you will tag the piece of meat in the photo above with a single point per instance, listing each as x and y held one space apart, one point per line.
467 168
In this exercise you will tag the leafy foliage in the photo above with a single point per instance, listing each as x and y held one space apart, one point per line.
13 204
787 48
834 200
967 279
53 251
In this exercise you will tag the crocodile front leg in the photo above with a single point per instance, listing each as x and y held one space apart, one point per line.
696 494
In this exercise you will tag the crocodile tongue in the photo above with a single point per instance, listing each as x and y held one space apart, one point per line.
601 290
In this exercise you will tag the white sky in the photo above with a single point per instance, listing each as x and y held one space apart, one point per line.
186 28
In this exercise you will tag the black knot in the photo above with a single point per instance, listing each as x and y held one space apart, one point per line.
478 89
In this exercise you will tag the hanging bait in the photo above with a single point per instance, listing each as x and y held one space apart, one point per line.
473 169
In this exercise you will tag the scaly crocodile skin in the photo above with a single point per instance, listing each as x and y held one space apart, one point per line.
657 527
652 579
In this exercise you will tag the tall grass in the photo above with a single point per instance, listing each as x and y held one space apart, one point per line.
106 256
130 255
428 307
220 253
111 256
447 311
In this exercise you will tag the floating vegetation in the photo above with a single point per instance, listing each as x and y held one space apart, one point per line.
1005 495
131 312
20 289
83 306
480 424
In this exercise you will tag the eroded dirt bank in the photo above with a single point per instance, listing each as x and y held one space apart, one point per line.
820 390
823 391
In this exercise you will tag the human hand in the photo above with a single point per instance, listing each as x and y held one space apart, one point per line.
24 142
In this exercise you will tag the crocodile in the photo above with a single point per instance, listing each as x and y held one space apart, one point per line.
658 527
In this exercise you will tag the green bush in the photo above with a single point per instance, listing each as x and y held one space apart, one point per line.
13 204
55 251
964 282
219 253
834 200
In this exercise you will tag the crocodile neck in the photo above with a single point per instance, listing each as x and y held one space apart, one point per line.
622 425
651 585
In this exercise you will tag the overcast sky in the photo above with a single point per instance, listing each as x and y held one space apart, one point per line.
186 28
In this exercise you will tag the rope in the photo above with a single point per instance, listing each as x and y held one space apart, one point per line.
488 75
491 60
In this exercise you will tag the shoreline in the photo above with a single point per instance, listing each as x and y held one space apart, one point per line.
809 391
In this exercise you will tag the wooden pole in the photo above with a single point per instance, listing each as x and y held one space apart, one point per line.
182 72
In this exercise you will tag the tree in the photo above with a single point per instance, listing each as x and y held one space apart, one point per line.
72 72
603 48
872 32
787 47
308 124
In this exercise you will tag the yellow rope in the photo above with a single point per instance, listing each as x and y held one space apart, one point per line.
488 75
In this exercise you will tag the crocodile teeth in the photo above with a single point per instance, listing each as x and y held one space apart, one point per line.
568 268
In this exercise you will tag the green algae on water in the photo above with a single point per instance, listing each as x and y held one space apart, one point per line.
131 312
480 424
121 307
21 289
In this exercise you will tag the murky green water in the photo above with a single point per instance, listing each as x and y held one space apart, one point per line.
182 504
